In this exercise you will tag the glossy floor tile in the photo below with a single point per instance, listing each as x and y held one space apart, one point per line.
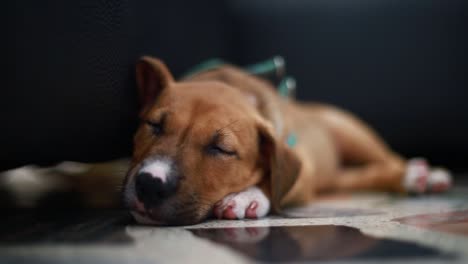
316 243
362 228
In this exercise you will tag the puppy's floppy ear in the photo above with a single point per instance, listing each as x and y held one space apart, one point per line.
152 78
282 165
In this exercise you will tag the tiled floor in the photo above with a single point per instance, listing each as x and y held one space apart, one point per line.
359 228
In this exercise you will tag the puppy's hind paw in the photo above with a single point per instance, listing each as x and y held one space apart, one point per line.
440 180
416 176
250 203
420 178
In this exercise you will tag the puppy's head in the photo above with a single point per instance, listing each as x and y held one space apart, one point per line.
197 142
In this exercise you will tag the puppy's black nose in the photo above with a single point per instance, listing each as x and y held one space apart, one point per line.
152 190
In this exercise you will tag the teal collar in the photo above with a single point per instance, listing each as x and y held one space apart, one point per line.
291 140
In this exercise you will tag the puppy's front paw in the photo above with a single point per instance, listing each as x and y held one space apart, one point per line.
250 203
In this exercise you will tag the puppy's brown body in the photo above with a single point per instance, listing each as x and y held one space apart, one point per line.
216 142
224 131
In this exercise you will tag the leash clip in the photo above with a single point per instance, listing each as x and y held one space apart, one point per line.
287 87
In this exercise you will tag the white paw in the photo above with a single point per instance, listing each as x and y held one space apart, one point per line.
439 180
250 203
417 175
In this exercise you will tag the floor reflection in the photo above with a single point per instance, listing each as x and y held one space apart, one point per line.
307 243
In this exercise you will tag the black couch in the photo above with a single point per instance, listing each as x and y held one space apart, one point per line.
401 65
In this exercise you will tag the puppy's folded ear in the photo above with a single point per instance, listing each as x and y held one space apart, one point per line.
152 78
282 165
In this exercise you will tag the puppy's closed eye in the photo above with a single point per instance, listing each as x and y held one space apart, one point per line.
221 145
157 127
215 150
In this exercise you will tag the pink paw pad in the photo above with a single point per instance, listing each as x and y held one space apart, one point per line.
251 203
251 211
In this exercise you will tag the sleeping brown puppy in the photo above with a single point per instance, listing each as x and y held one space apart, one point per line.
216 143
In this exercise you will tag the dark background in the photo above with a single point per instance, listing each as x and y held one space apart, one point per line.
69 92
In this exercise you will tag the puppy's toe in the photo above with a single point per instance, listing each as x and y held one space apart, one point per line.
229 213
417 175
226 204
251 211
440 180
251 203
